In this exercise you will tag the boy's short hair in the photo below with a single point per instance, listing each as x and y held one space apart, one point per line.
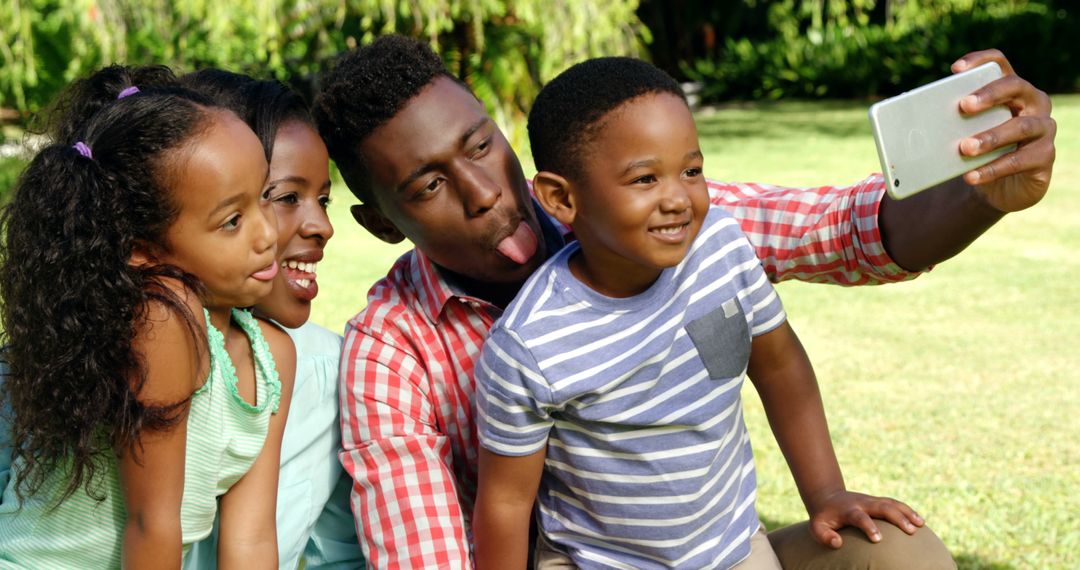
569 110
365 89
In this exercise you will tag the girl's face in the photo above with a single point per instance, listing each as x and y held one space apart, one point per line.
225 233
299 189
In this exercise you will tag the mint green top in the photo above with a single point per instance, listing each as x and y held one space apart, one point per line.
224 437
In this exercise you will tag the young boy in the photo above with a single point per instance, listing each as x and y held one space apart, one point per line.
612 381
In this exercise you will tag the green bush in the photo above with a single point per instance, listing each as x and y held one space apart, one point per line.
10 169
804 60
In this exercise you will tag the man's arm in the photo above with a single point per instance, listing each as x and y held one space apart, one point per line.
856 235
935 225
404 495
823 235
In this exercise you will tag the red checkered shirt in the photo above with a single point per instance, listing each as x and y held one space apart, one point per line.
408 426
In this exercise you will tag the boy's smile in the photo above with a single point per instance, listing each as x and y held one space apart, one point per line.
640 198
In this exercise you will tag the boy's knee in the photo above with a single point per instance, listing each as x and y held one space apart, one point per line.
797 549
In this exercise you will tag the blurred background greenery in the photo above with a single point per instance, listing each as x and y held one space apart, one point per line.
955 392
506 49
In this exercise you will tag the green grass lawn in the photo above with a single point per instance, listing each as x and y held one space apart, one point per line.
955 392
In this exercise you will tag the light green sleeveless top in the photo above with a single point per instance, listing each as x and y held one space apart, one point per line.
224 436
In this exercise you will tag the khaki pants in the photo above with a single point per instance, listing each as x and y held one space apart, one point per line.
793 547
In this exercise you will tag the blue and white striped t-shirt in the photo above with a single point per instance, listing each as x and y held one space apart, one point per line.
637 400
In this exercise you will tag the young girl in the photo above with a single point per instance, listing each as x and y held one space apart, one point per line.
314 522
140 395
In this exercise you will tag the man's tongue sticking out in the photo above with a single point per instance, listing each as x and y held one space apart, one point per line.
519 246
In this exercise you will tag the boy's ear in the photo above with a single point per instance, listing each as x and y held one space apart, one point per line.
555 195
375 222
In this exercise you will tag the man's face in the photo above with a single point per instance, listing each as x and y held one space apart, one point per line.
446 178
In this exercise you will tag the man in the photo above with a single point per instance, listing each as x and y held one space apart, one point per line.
429 165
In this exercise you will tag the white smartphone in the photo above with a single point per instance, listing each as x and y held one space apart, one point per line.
918 132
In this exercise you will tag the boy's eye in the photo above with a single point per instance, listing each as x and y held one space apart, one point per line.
266 193
324 201
232 223
647 179
692 172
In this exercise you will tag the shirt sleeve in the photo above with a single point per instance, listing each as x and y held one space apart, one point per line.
404 497
512 397
825 234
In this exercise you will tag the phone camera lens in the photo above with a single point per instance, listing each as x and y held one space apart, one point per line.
896 182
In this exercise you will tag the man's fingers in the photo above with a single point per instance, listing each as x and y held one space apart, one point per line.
1018 130
1021 97
1038 155
977 58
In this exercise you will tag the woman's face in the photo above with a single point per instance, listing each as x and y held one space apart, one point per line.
299 189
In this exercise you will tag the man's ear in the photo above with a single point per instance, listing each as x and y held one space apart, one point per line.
375 222
555 195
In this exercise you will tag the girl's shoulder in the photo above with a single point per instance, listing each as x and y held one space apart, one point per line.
170 339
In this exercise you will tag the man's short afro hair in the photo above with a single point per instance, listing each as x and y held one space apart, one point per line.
569 110
365 88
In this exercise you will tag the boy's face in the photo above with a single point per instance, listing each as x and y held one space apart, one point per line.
640 198
447 179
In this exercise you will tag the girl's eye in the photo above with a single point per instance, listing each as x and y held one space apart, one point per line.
692 172
289 198
266 193
324 201
647 179
232 223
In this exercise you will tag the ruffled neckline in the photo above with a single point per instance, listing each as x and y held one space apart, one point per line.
223 364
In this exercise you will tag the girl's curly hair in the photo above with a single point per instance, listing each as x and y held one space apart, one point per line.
72 301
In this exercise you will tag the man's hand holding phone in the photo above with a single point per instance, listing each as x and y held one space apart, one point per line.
1019 179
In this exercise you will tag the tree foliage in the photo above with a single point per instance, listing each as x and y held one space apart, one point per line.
754 49
504 48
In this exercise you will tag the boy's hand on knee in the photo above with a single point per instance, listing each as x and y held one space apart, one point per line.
846 508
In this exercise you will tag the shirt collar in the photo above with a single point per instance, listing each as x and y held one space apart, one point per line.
435 290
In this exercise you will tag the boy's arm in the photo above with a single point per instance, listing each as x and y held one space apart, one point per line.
248 537
782 375
404 492
504 504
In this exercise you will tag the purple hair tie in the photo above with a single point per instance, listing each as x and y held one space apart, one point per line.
127 91
83 149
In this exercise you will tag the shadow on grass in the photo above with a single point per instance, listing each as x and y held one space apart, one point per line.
772 121
963 561
972 562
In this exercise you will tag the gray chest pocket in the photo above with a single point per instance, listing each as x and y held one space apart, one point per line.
722 339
